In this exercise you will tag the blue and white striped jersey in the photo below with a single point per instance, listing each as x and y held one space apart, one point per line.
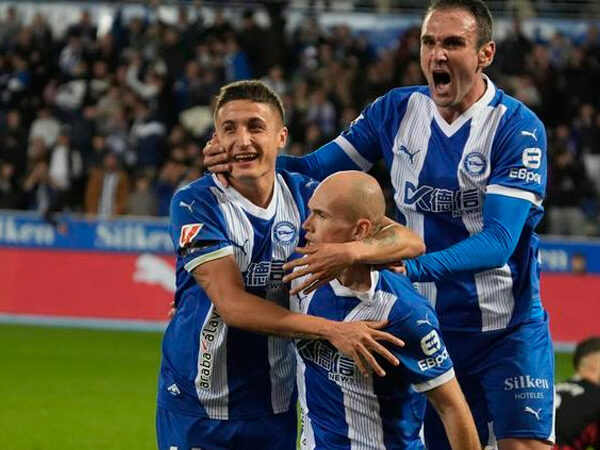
342 409
440 173
209 369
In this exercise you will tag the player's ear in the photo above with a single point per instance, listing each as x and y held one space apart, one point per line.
283 135
486 54
363 229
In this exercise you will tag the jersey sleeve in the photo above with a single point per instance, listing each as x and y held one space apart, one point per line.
424 357
197 229
361 141
519 160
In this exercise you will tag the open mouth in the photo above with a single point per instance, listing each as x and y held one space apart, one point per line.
441 79
245 157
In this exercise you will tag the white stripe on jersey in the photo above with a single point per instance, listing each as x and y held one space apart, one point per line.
299 303
281 352
281 362
516 193
211 380
361 405
239 228
552 437
352 153
221 253
494 287
437 381
413 134
307 434
365 428
281 208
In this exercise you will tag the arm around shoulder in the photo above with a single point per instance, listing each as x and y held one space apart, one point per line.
393 242
222 281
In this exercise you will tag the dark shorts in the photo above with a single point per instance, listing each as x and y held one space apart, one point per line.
181 432
508 380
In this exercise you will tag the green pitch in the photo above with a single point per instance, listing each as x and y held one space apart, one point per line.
63 389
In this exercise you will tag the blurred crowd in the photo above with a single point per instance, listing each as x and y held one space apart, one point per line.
112 124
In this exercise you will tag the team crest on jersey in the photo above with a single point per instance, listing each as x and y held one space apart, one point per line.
285 233
475 163
188 233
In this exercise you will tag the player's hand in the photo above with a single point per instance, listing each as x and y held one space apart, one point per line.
172 310
322 261
358 340
216 159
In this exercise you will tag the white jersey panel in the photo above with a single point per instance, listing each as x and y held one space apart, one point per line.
411 144
494 287
211 382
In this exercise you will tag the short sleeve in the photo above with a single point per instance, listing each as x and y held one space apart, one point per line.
520 161
197 229
424 357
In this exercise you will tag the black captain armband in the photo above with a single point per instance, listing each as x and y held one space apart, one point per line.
195 247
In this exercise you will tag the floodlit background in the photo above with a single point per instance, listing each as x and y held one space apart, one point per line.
91 91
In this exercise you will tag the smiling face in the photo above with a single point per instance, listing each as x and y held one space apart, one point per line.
452 60
252 133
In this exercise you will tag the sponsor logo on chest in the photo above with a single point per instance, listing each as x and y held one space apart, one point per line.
430 199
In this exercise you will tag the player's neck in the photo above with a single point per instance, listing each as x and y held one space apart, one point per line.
451 113
257 190
356 277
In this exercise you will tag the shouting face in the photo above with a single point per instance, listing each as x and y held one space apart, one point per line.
452 59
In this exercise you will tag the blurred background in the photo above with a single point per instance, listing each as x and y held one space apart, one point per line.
104 110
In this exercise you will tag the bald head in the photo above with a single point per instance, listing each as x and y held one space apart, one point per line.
355 195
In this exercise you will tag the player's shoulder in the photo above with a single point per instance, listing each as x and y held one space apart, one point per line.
409 302
517 115
298 183
198 191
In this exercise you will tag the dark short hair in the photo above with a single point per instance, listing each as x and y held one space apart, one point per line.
254 90
584 348
479 10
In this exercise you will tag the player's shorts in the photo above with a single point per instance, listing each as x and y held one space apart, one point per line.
181 432
508 380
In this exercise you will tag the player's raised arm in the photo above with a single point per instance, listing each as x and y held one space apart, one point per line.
450 404
222 281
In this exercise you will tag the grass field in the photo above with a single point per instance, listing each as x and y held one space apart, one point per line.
63 389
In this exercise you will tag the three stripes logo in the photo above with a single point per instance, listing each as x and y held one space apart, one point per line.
188 233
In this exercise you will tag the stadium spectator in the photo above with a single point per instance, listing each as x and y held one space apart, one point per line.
65 172
578 401
347 207
13 141
11 195
107 188
169 179
9 27
337 60
38 188
45 127
231 243
142 201
569 186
